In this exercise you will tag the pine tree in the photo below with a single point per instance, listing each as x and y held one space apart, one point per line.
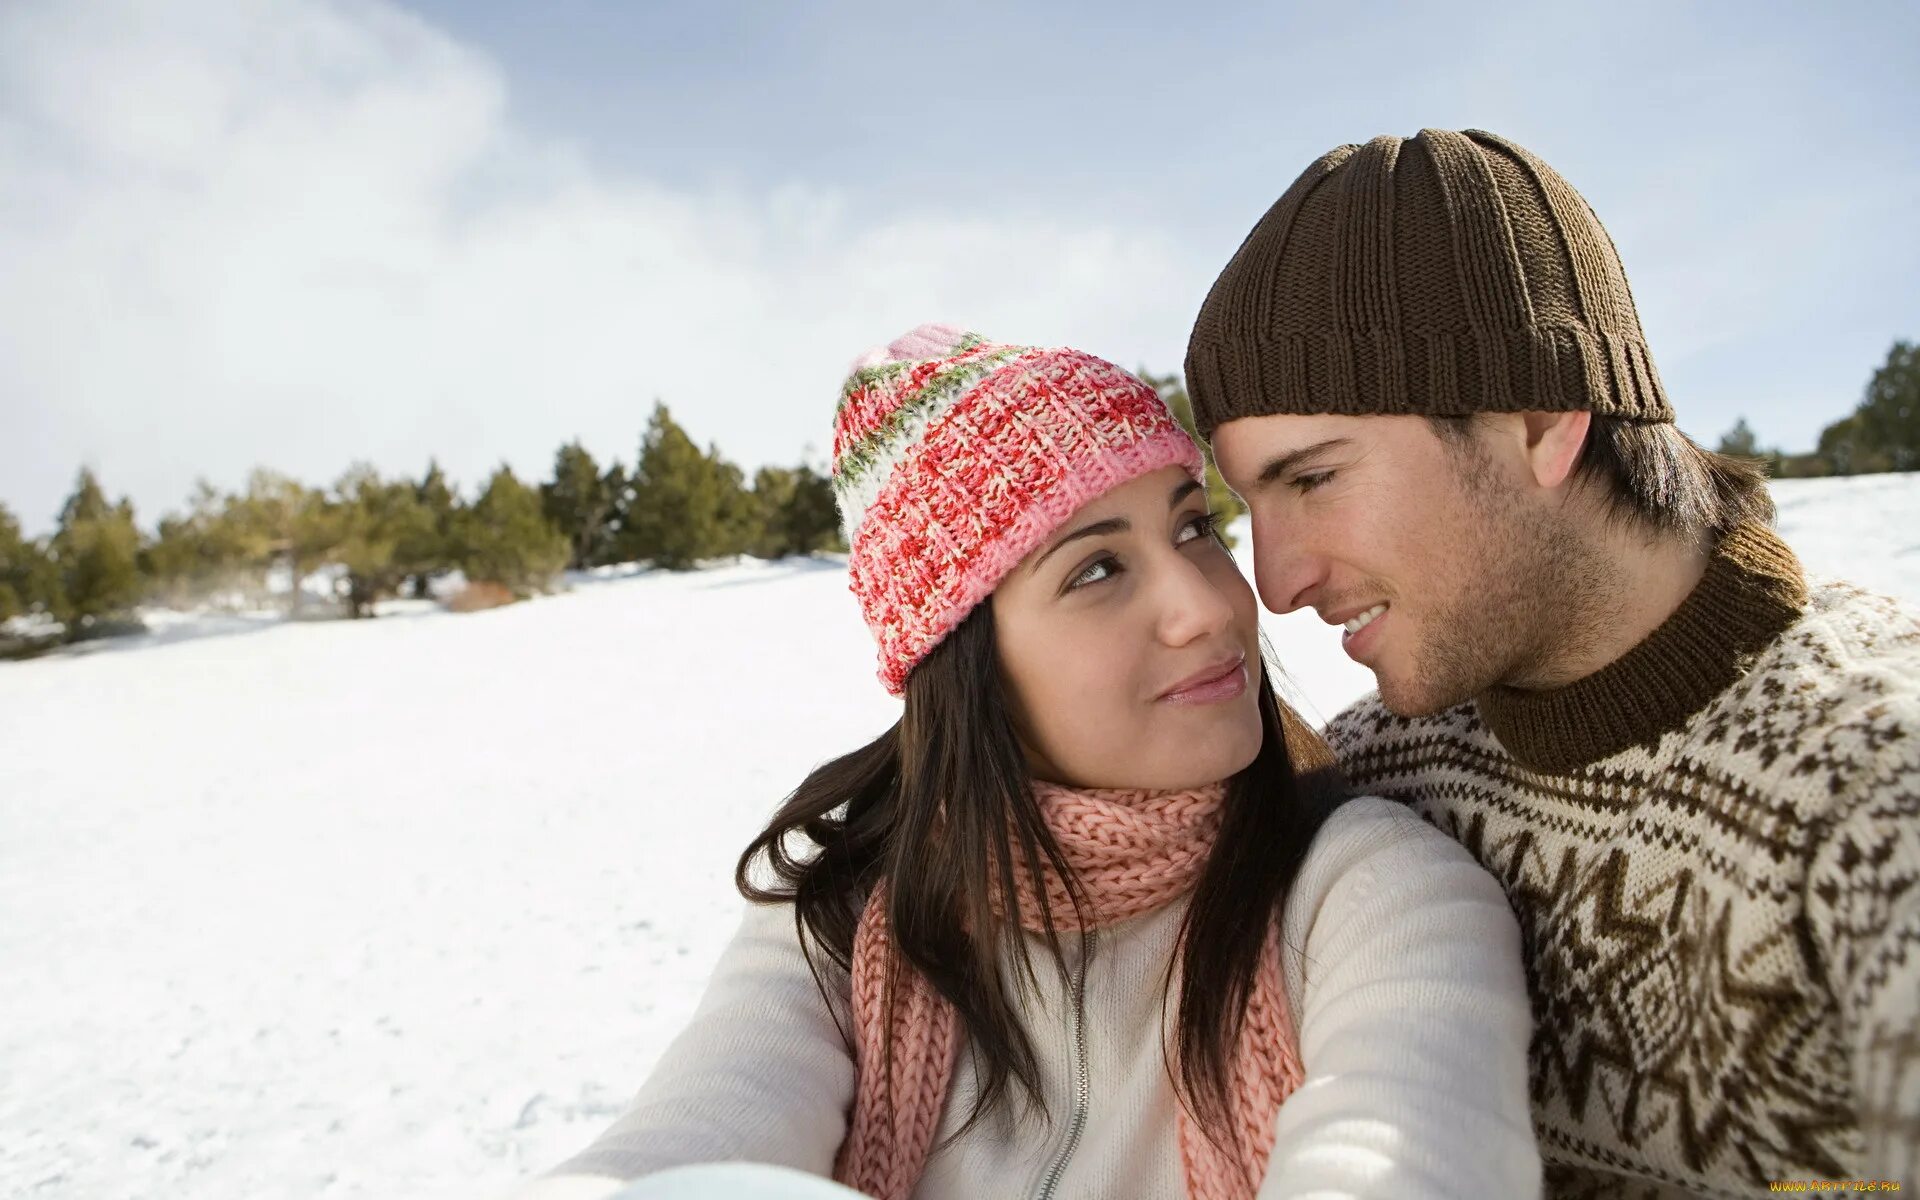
431 548
379 519
88 501
739 516
797 512
813 518
28 585
679 510
13 567
1220 498
95 553
172 559
26 574
297 524
1846 448
207 547
579 502
619 488
1890 412
505 538
1740 441
773 489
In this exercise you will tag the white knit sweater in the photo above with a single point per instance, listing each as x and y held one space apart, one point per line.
1403 974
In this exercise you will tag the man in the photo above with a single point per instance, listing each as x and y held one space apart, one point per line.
1696 774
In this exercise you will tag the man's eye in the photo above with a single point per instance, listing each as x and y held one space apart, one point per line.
1306 483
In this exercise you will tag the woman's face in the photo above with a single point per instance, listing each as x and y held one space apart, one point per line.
1130 646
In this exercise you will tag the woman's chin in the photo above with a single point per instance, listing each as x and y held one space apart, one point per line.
1209 756
1189 750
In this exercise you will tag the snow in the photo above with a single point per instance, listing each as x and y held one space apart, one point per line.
408 907
1865 528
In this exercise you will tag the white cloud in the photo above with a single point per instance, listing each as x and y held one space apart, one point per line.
301 232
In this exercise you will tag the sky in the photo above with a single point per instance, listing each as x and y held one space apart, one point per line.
302 234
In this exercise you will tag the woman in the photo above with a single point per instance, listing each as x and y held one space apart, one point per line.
1090 919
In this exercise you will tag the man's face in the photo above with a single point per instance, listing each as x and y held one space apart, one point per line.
1435 550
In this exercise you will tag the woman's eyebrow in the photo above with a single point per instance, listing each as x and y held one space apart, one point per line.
1115 524
1097 529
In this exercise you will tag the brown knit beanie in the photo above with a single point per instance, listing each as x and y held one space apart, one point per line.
1444 274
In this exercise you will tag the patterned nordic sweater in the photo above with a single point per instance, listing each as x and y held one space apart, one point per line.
1713 847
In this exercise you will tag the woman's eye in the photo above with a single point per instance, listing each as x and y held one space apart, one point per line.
1306 483
1097 570
1202 525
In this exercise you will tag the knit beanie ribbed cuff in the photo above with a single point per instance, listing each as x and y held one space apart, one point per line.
912 601
1542 369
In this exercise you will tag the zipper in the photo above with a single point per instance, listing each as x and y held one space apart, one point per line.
1082 1081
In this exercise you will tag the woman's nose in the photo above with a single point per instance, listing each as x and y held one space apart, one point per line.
1192 606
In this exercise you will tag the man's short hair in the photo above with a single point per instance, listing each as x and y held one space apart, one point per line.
1655 476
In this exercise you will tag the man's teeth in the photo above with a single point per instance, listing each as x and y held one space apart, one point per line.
1365 619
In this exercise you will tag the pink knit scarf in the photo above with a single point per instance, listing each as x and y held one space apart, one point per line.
1132 853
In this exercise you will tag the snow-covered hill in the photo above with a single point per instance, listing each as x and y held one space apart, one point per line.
408 907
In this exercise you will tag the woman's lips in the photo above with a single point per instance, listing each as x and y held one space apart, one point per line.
1221 682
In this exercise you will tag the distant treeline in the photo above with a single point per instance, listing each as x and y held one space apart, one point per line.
1881 434
676 505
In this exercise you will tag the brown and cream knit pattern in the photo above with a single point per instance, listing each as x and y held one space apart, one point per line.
1443 274
1722 920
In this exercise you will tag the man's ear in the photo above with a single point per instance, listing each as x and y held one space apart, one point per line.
1553 444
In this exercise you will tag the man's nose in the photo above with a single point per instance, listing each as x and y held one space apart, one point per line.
1285 568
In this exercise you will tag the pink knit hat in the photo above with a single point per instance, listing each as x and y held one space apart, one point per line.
953 457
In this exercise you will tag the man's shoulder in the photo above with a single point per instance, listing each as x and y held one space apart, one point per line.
1368 724
1825 717
1853 658
1868 624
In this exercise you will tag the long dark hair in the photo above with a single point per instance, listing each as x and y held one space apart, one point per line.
941 805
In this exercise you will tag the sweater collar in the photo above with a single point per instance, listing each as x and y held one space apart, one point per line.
1753 589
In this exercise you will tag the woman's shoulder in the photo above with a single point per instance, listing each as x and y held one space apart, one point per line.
1363 825
1377 879
1371 837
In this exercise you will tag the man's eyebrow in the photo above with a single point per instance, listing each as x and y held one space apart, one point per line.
1097 529
1294 459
